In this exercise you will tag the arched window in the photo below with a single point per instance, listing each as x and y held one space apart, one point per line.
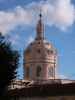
38 71
30 74
38 51
50 51
27 72
50 72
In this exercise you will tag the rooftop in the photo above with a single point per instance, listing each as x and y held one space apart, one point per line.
55 87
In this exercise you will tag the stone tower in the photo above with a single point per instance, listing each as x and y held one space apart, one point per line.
40 57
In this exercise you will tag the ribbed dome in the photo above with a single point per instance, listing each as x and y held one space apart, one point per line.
39 49
38 44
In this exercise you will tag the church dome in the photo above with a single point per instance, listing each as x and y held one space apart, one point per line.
41 48
40 57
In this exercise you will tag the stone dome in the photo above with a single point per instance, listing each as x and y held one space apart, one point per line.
40 57
40 48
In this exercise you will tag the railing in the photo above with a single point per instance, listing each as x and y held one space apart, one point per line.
28 83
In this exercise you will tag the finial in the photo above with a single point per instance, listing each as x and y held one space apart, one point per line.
40 27
40 15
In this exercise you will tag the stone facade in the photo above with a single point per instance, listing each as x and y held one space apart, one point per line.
47 98
40 57
61 98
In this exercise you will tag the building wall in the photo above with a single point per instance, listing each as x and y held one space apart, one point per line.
46 98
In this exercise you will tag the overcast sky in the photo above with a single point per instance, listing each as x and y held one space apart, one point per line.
18 24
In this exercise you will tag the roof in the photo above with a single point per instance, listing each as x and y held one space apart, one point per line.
54 89
40 44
